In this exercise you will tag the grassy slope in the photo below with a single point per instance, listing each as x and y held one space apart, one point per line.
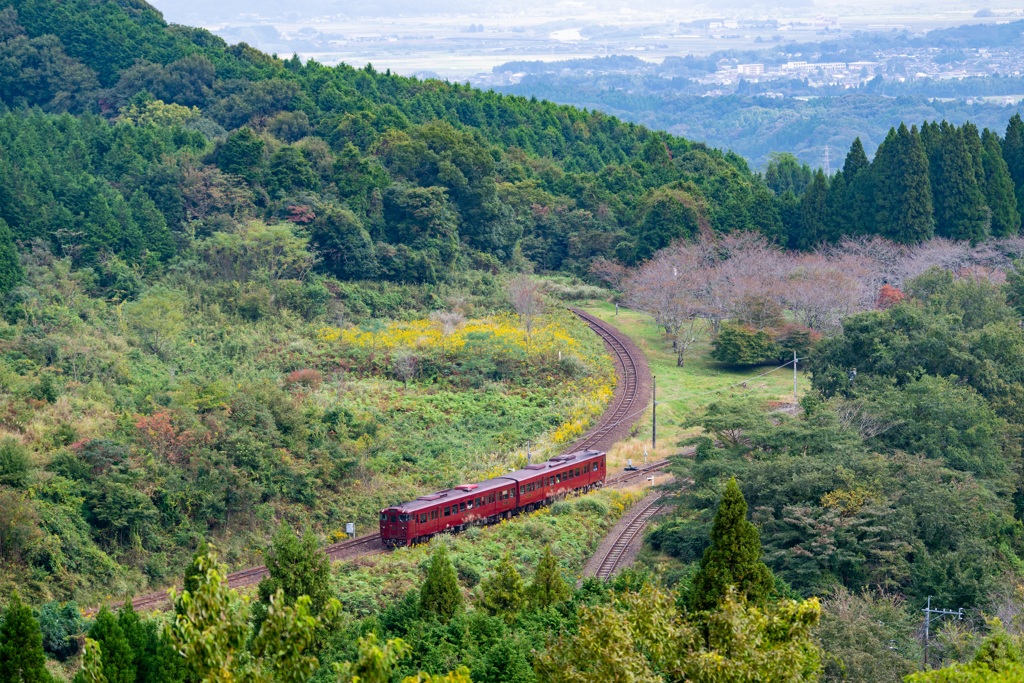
683 390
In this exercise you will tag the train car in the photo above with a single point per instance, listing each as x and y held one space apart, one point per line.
454 509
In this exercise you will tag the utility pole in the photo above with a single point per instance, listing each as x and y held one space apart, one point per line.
928 612
796 401
654 412
528 454
828 166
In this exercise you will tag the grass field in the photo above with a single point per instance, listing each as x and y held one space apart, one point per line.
681 391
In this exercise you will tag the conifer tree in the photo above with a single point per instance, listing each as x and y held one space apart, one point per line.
503 591
115 651
298 567
1013 153
10 266
960 211
440 594
21 646
972 139
999 191
903 193
548 587
814 224
733 558
856 160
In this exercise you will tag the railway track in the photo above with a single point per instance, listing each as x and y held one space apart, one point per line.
630 399
631 394
613 558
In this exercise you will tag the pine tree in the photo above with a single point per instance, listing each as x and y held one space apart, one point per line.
960 211
503 591
116 652
856 160
440 594
21 646
903 193
837 215
548 587
999 188
1013 153
733 558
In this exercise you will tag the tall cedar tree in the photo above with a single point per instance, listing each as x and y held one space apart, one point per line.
1013 153
10 266
155 658
548 587
960 211
440 594
813 214
999 190
856 160
733 558
504 593
21 646
903 193
298 567
858 215
116 653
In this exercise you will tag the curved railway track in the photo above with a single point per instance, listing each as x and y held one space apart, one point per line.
632 392
631 397
613 558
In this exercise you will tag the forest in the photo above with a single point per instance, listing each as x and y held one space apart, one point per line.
245 295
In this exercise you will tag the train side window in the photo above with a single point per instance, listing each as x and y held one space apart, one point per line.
469 505
462 507
447 511
423 518
522 490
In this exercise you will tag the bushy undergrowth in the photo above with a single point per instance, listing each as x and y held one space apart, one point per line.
142 411
572 528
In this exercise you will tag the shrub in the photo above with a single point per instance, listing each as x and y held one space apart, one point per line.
14 463
307 377
742 345
61 625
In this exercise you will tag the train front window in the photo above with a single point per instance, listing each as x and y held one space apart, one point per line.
383 516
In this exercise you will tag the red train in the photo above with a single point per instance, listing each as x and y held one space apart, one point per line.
452 510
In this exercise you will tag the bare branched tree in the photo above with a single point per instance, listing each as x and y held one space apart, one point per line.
527 300
403 364
672 288
449 322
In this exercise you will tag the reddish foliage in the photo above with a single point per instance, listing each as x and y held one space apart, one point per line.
301 214
308 378
158 433
889 296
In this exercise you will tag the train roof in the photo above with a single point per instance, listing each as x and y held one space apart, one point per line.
460 492
531 471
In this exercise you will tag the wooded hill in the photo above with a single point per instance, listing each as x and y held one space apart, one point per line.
177 135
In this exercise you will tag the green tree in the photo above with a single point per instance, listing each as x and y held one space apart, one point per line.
666 215
548 586
344 246
960 211
117 657
903 193
440 594
814 215
644 639
733 558
1013 154
211 627
297 567
856 160
21 646
241 155
999 189
10 265
503 592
